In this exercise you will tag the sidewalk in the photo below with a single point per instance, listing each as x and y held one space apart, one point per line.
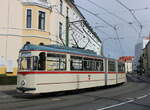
142 77
7 87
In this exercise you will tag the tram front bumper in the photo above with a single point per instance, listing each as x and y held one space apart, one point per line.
24 89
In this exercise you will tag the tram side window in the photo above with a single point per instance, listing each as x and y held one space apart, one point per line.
89 64
111 66
42 61
76 63
93 65
56 62
121 67
86 64
99 65
35 63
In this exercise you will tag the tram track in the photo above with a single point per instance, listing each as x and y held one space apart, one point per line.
118 94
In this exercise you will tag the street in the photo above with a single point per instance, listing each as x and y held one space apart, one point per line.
129 96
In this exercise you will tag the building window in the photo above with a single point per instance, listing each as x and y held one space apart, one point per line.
41 20
60 29
29 18
61 6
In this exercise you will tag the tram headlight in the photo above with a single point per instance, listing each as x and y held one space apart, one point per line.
23 83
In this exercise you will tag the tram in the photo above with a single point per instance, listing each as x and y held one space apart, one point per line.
51 68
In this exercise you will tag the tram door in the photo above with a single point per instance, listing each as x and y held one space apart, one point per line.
117 72
76 65
106 71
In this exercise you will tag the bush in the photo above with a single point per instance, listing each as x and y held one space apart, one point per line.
8 80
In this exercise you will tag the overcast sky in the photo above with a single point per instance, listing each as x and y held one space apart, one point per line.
127 26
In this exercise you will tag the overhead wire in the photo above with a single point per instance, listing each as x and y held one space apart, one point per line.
96 15
131 11
141 9
113 14
110 25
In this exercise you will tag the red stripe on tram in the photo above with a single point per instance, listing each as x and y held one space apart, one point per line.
66 72
116 72
62 72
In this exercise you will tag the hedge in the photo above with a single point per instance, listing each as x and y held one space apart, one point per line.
8 80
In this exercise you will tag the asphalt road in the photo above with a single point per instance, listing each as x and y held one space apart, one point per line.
133 95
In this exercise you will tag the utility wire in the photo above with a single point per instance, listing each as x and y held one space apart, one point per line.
110 25
108 11
118 38
96 15
113 14
131 12
141 9
83 31
105 33
133 15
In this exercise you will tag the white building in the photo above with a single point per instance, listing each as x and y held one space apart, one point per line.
41 22
128 60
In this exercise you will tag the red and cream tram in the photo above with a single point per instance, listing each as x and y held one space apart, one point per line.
53 68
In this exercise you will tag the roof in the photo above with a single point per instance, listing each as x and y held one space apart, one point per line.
146 38
126 58
56 48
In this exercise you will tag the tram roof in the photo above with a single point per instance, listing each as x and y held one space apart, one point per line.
56 48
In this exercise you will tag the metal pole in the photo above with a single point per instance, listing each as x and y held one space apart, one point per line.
6 48
67 31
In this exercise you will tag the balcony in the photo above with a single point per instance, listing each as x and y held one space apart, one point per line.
41 3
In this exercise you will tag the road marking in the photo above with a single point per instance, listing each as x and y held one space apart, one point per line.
5 96
56 99
141 97
112 106
129 98
123 103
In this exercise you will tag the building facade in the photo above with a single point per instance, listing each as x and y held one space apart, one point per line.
128 63
145 60
138 52
44 22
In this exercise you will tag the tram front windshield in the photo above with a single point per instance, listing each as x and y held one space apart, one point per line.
28 62
25 63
